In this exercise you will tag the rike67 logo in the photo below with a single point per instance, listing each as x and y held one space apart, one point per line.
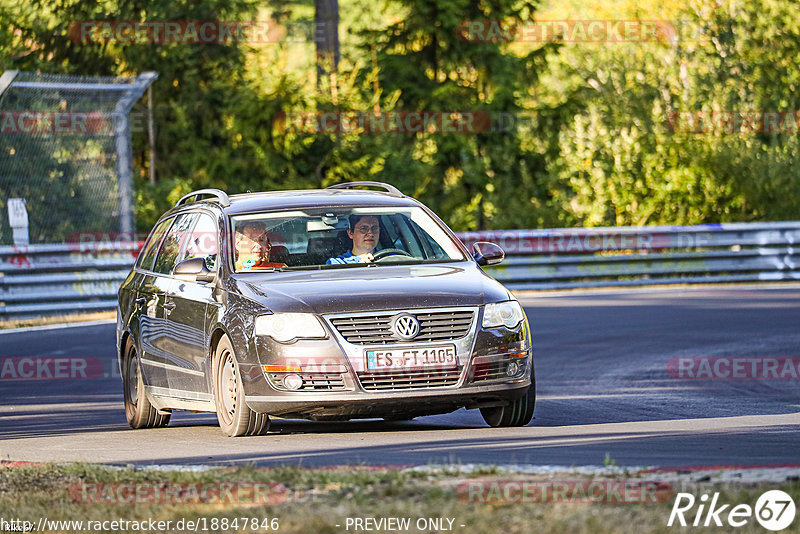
774 510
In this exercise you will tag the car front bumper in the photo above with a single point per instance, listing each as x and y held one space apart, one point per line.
336 382
388 404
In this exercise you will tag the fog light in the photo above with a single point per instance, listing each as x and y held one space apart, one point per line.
292 382
513 369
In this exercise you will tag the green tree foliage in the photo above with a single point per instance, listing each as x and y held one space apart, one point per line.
200 94
486 179
628 160
598 147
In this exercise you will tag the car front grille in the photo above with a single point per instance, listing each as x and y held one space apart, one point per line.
311 382
407 379
375 329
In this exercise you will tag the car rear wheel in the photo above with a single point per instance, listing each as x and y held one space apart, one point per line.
518 413
234 416
138 410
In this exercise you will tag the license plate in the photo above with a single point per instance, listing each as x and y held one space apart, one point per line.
440 357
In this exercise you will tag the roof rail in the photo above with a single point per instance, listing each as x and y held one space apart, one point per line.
352 185
221 195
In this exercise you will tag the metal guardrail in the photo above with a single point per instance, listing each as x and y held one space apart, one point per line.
645 255
52 279
62 278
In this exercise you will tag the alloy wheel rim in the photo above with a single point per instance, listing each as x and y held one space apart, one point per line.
133 378
227 386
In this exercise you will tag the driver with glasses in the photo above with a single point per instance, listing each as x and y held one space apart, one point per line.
365 231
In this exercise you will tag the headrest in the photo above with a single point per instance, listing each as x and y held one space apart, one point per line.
321 245
279 254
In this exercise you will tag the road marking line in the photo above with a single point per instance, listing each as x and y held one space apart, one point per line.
56 326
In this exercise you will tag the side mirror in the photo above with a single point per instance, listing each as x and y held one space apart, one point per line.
486 253
193 270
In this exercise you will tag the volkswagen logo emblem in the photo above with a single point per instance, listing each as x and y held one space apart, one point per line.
406 327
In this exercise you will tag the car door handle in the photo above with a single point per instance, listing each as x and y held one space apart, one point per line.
169 306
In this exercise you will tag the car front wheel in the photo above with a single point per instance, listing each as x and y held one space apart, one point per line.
234 416
518 413
138 410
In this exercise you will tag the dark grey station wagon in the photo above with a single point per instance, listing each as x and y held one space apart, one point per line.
328 304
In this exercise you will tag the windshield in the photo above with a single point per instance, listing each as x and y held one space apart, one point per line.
338 238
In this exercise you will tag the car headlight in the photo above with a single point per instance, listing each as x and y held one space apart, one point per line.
508 314
286 327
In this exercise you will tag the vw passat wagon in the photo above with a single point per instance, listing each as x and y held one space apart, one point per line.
326 304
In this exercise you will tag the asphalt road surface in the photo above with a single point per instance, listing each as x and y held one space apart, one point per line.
604 393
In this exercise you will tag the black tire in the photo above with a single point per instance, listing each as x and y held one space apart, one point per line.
234 416
138 410
399 418
518 413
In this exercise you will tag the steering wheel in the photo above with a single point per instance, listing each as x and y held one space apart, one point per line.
386 252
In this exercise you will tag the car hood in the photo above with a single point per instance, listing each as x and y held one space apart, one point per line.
382 287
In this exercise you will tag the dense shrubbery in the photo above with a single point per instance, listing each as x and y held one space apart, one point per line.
599 150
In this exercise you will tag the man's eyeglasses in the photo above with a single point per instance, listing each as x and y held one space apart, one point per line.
365 229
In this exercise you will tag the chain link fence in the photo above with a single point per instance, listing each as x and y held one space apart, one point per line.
65 150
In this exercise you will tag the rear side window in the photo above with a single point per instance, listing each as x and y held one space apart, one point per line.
203 242
173 243
148 254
